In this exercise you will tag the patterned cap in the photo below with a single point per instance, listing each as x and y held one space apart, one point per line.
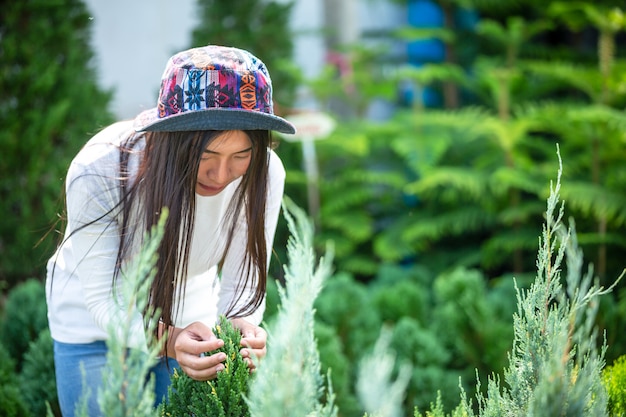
214 88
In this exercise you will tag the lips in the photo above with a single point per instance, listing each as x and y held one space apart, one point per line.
210 190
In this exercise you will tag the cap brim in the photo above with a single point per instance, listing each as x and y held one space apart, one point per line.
212 119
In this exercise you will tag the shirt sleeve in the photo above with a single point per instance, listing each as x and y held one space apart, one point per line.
92 196
231 272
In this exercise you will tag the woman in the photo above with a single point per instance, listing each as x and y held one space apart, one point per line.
204 153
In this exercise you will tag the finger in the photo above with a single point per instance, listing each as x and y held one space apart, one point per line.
252 343
203 368
195 344
252 357
250 364
254 339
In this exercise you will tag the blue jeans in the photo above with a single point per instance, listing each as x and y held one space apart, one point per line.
70 359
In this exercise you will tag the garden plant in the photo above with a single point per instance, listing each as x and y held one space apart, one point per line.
555 367
224 396
433 213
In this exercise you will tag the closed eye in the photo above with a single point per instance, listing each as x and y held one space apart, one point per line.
245 154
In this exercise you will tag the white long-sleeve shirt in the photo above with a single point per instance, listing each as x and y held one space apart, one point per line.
79 294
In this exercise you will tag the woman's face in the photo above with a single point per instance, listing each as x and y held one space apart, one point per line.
224 160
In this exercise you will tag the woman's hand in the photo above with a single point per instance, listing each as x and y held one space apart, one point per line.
190 347
253 340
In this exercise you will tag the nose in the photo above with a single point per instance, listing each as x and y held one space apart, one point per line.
219 171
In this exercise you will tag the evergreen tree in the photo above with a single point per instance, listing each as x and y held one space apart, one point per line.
259 26
49 105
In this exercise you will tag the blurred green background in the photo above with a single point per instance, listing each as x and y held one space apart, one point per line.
432 186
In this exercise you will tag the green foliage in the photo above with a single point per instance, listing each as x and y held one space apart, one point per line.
614 380
403 299
336 364
555 366
37 380
12 403
223 396
438 328
49 104
25 316
127 390
462 310
464 187
288 381
381 392
261 27
434 367
342 304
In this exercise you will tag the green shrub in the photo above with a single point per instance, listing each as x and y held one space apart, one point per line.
343 304
37 380
127 388
51 103
461 314
223 396
335 362
402 299
423 347
614 380
11 402
25 317
288 381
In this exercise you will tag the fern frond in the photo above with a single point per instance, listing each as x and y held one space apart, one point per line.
582 78
506 178
423 152
357 226
498 249
343 197
469 183
389 248
374 177
467 120
596 200
451 223
342 142
598 114
522 213
431 73
389 244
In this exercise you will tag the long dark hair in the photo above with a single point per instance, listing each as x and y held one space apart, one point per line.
166 177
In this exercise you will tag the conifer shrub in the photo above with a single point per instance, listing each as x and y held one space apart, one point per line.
128 389
37 379
25 316
51 103
555 367
288 381
343 304
614 379
221 397
338 366
11 402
